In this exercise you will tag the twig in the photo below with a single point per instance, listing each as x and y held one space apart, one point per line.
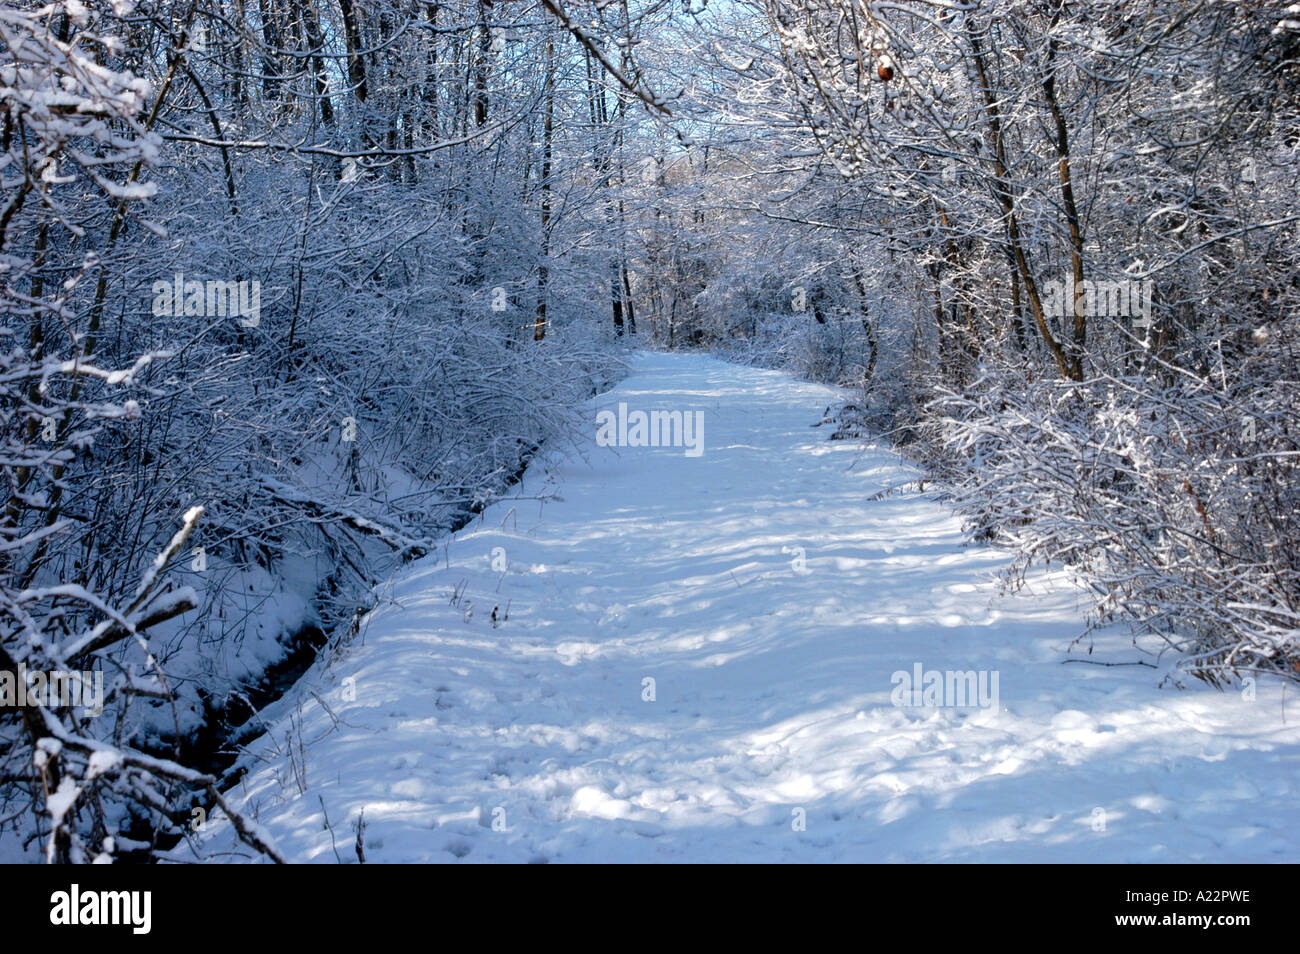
1094 662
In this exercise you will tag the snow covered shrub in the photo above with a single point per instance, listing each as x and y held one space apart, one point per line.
74 145
1015 150
383 391
396 365
1179 504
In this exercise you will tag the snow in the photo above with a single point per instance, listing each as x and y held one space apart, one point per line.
58 802
102 761
771 600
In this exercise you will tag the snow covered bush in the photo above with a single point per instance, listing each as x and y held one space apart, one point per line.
347 348
1069 231
1179 506
67 778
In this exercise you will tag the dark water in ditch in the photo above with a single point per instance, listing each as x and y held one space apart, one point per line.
216 747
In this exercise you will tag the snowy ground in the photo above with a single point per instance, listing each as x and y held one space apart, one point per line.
534 740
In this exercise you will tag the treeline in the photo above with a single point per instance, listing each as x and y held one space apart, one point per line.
309 281
1056 244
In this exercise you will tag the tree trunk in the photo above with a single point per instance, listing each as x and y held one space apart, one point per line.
539 327
1062 144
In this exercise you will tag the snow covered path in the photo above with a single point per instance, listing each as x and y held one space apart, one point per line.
534 740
